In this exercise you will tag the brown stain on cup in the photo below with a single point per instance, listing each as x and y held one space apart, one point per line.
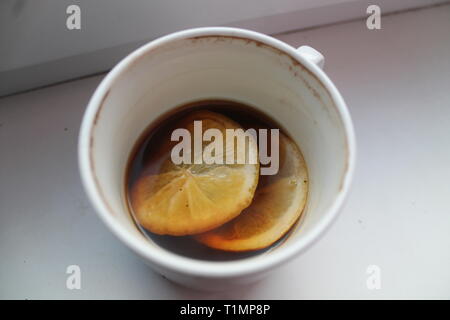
91 148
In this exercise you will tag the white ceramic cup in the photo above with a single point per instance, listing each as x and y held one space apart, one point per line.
285 83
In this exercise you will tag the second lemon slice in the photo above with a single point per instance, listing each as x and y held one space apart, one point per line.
192 198
278 203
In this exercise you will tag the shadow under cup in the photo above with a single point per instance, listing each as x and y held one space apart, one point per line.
162 77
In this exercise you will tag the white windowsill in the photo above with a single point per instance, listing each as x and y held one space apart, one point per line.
396 84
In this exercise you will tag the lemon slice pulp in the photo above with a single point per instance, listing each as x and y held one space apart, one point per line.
278 203
185 199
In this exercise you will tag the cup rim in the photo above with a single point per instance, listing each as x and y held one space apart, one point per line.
181 264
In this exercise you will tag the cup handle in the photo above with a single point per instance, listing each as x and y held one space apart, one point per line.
312 55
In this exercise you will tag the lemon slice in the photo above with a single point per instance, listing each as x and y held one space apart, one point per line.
278 203
191 198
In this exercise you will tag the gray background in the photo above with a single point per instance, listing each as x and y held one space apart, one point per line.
37 49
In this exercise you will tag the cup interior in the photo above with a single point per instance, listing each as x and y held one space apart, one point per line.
163 77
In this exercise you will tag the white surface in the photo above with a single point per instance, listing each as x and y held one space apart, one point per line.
37 48
396 84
